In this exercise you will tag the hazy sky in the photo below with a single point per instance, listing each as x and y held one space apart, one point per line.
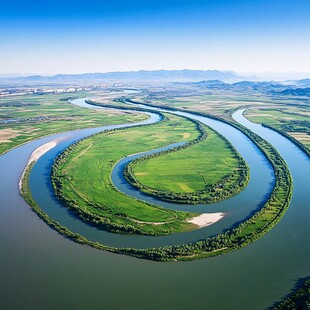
54 36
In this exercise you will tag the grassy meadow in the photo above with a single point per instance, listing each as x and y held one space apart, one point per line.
192 169
41 115
82 177
294 121
288 115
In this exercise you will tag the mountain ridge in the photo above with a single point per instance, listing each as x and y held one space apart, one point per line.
119 76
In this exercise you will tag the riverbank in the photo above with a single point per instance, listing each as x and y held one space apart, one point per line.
34 252
116 213
262 221
40 151
210 170
246 232
63 116
100 203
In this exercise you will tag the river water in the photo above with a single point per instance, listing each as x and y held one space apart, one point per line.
42 270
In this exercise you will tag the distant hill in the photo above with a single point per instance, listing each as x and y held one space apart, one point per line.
156 75
295 92
202 80
243 86
303 83
267 88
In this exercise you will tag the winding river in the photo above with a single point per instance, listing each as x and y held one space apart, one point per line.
39 267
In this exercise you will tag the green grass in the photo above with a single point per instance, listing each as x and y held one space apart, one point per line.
214 104
82 178
192 169
294 122
227 184
62 116
276 115
246 232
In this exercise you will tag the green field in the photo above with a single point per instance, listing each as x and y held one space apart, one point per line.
191 169
46 114
213 104
293 121
82 177
207 171
286 114
244 233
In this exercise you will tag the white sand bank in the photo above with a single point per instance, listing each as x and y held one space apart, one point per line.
206 219
41 150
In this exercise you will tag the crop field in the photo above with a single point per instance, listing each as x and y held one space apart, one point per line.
285 114
294 121
214 104
24 118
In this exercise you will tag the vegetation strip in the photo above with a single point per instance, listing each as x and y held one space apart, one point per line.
298 299
246 232
289 137
285 127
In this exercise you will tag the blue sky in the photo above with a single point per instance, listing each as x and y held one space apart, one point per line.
48 37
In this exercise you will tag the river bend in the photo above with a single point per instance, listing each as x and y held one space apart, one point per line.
39 267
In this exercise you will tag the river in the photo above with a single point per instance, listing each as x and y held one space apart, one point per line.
42 270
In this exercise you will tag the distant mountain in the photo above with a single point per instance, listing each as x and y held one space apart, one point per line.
267 88
209 83
257 86
303 83
205 84
302 92
156 75
243 86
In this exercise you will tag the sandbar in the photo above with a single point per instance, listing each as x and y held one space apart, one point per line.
206 219
36 154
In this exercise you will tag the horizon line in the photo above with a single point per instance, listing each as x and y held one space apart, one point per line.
16 75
